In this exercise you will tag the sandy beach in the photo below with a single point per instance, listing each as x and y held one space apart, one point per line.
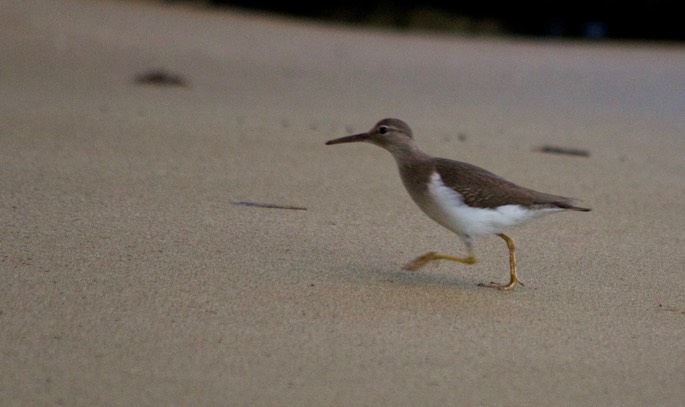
129 276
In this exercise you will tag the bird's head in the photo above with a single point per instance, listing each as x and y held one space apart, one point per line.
392 134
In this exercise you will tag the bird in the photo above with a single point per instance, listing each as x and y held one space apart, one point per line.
466 199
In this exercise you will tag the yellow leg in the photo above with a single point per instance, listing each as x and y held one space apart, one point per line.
430 256
513 280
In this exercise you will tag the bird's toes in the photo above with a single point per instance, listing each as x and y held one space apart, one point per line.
419 261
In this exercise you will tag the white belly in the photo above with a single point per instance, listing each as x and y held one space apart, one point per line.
447 207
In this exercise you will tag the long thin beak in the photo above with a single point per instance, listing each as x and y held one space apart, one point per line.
349 139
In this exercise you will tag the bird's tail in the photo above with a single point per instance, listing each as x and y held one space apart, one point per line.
568 205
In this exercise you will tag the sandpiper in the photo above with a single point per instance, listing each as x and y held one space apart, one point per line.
466 199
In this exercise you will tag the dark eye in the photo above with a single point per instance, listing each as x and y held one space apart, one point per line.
383 129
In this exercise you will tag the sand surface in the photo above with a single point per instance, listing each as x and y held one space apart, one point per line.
128 278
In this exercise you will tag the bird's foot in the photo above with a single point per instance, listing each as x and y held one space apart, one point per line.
501 286
430 256
420 261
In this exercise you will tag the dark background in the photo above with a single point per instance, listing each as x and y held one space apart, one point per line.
653 20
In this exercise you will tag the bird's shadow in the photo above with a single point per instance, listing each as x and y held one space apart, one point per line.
427 277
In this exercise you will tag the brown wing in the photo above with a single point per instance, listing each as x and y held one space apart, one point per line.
483 189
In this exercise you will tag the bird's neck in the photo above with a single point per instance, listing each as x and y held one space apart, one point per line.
415 168
407 154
